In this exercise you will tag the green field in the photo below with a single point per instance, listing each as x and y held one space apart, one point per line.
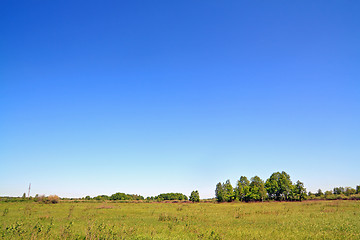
111 220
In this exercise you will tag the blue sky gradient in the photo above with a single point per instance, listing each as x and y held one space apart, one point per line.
149 97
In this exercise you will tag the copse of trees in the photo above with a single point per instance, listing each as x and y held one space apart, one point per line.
101 197
123 196
170 196
278 187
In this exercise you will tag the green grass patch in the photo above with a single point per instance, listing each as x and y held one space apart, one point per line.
107 220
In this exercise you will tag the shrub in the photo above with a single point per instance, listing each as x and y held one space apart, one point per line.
40 198
53 199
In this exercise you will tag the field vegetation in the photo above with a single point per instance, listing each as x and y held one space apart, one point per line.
182 220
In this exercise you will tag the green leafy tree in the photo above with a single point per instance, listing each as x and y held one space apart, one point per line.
299 191
358 189
319 193
279 186
338 190
349 191
242 189
229 191
219 192
194 196
257 189
285 185
272 186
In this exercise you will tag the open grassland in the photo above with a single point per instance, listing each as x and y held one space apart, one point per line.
111 220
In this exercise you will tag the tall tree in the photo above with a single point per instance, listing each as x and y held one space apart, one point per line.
257 189
219 192
272 186
285 185
279 186
242 188
229 191
299 191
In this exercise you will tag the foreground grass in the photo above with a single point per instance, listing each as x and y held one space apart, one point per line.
107 220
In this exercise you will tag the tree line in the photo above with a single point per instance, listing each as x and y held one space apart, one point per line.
337 193
194 197
160 197
278 187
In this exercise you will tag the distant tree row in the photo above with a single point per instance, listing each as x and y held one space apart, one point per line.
116 196
336 193
124 196
168 196
278 187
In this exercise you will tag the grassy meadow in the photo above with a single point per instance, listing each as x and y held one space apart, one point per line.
114 220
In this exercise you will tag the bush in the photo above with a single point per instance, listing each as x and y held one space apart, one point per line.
53 199
355 197
40 198
50 199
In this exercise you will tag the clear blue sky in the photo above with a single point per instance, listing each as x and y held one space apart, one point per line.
146 97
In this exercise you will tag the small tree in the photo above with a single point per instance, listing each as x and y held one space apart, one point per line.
358 189
194 196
